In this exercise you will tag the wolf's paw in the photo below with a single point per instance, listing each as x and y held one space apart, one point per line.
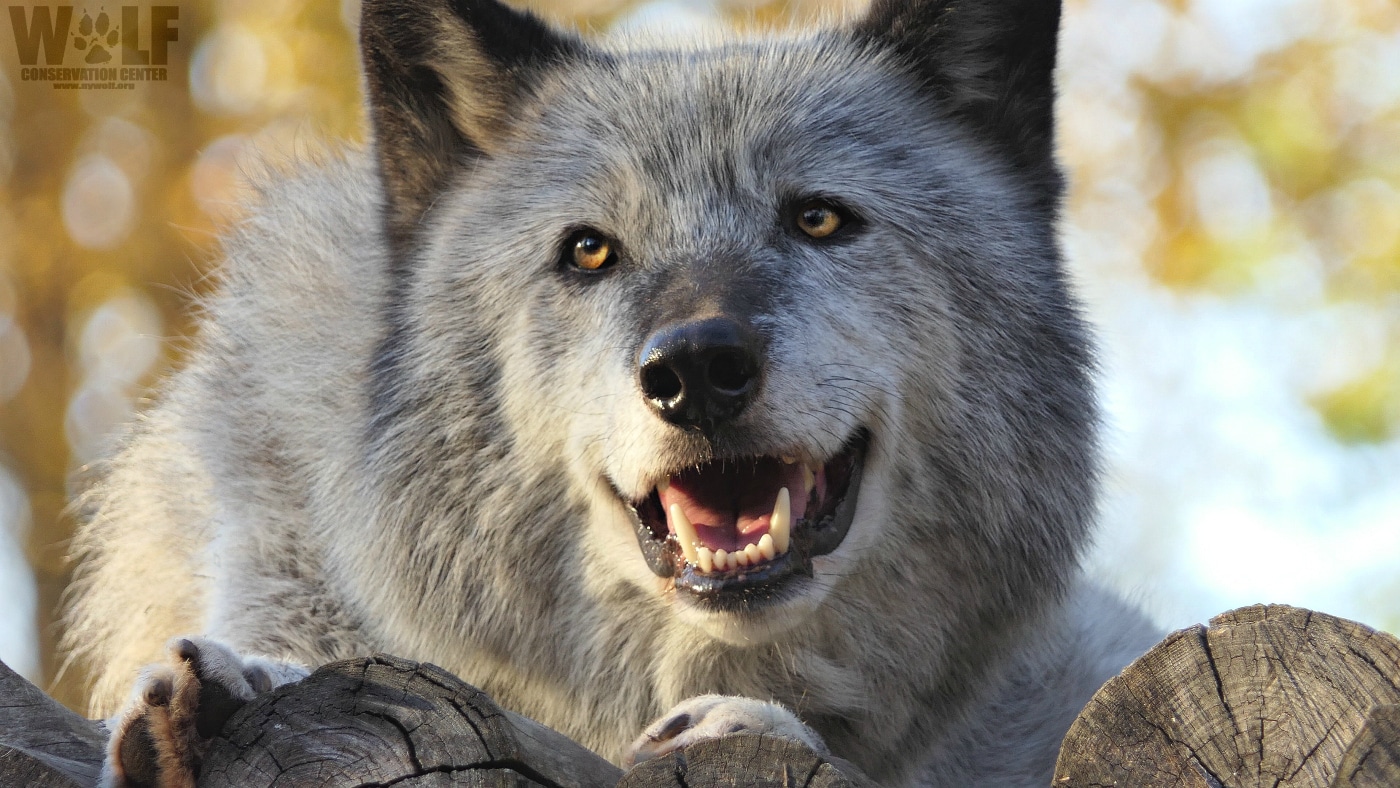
712 716
159 739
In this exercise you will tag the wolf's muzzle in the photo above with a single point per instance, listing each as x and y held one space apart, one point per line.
699 374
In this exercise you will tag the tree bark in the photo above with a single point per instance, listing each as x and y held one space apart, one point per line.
43 744
1266 695
386 720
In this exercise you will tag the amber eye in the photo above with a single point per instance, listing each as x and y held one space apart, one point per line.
818 219
591 250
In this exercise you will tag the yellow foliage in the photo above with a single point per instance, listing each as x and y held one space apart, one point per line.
1366 410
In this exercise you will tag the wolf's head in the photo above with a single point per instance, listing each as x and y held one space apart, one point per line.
764 327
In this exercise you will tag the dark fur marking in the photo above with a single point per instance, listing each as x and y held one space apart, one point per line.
138 755
216 705
419 141
989 63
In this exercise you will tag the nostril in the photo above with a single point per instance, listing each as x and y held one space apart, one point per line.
729 371
661 382
702 373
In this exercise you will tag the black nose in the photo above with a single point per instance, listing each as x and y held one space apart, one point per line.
702 373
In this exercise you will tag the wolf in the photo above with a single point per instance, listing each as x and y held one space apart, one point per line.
727 382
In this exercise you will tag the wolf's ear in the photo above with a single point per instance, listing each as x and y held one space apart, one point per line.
442 78
990 62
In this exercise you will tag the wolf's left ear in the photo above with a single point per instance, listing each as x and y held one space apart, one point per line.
989 62
442 78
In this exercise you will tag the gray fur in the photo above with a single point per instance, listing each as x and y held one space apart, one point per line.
408 447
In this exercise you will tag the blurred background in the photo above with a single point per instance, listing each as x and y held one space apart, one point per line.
1233 224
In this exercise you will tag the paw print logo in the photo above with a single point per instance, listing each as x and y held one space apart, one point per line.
96 36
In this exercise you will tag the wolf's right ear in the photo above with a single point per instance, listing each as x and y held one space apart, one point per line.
442 78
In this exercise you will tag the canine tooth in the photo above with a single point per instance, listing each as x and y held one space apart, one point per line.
721 559
780 525
789 460
739 557
707 559
809 480
766 548
754 554
685 533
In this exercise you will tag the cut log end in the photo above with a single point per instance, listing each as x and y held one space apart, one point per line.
1265 695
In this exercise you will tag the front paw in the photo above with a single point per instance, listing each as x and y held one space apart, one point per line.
159 739
712 716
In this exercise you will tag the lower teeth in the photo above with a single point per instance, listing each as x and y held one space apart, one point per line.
769 546
707 560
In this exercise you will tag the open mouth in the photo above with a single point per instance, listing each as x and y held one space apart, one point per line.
738 524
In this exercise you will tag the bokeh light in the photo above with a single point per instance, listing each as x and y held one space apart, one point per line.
118 344
1233 227
229 71
122 142
99 203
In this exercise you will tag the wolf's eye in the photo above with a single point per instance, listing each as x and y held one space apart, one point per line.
590 250
819 219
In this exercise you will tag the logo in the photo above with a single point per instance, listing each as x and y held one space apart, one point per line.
109 45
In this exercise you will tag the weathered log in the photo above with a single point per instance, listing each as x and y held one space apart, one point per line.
385 720
747 760
388 720
1266 695
43 744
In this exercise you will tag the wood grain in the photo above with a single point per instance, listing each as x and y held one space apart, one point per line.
1264 696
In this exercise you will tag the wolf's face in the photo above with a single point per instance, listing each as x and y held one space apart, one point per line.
776 314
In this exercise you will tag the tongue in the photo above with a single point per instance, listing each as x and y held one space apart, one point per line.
730 504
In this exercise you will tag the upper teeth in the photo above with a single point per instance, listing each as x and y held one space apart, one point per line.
780 524
685 534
